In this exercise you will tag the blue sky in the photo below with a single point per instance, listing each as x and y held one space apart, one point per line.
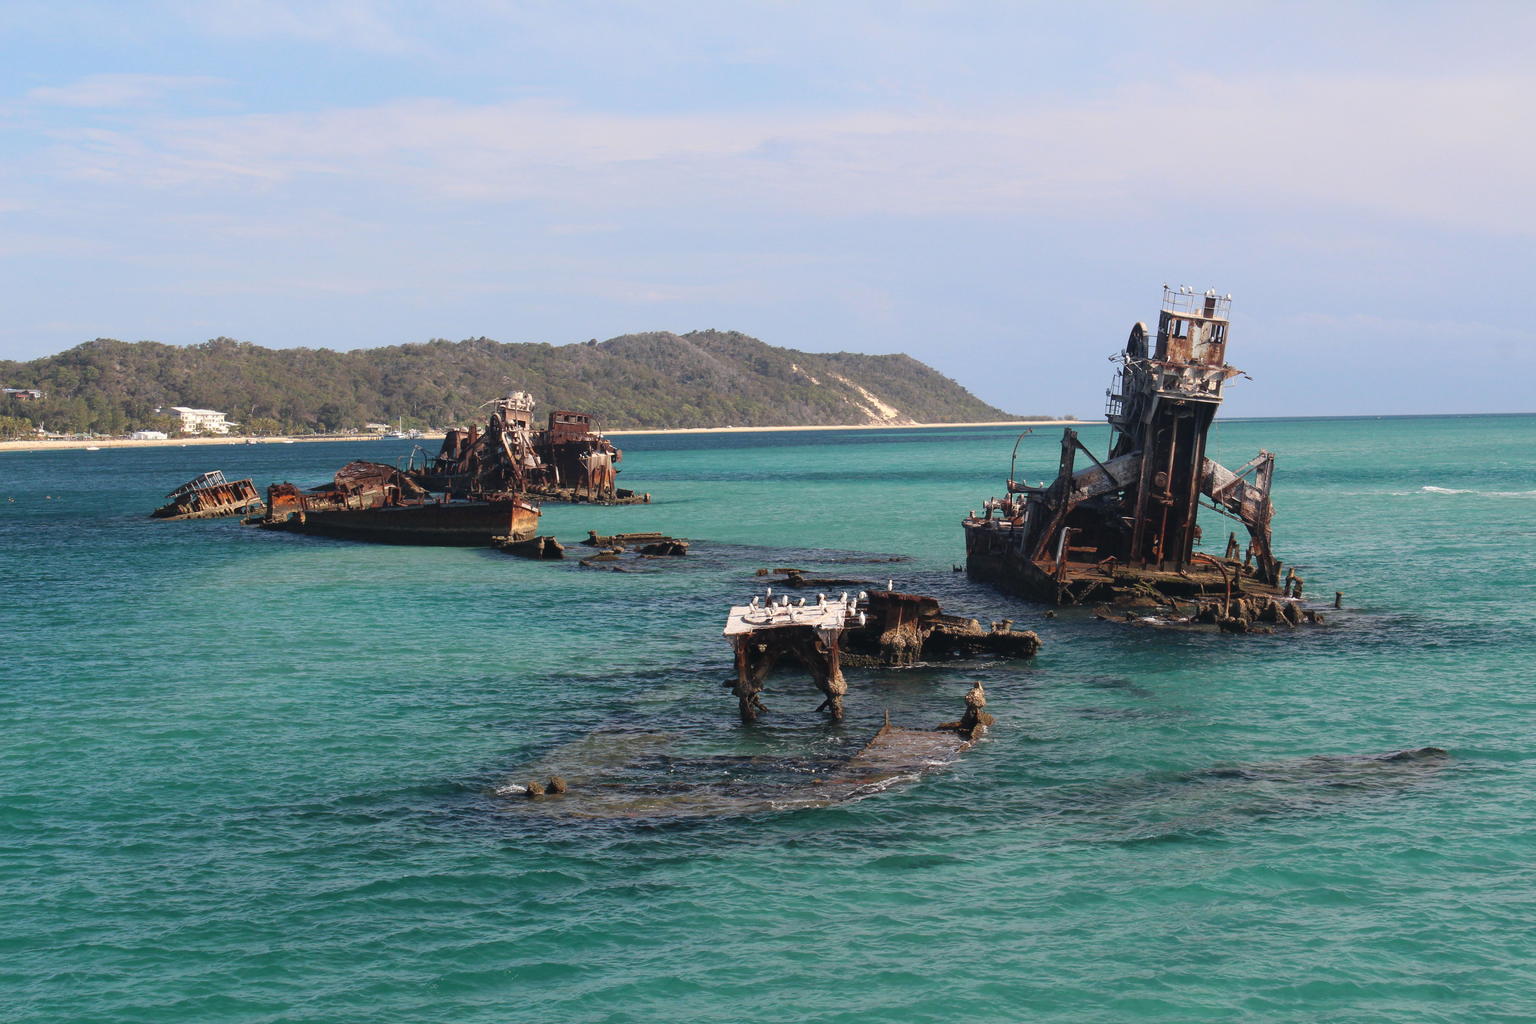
998 189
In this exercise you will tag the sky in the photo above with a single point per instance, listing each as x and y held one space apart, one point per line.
998 189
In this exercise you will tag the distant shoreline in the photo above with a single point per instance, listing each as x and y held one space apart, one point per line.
174 442
240 442
846 426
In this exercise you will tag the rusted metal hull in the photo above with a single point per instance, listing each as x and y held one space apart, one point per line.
213 500
575 496
446 524
174 513
991 557
459 484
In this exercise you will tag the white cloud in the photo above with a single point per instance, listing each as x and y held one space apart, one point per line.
354 24
122 90
1446 151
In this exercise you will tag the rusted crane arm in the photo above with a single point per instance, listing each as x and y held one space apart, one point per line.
1244 500
1104 477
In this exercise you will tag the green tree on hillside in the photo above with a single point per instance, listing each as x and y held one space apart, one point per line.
657 379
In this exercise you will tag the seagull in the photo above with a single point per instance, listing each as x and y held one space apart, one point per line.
862 619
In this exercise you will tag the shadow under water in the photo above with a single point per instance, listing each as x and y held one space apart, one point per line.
618 774
1191 804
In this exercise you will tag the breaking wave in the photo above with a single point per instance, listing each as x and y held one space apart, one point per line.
1431 489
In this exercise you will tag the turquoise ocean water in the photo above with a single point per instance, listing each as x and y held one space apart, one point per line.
249 777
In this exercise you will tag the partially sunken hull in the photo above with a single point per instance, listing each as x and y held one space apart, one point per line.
992 556
210 496
447 524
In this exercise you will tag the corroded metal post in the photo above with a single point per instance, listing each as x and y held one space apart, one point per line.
758 651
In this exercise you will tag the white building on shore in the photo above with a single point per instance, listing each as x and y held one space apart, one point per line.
147 435
199 420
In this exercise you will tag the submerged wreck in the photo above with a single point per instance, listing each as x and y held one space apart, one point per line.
876 628
1122 530
210 496
566 461
369 501
640 775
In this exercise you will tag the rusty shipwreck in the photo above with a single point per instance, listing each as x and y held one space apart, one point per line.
1123 528
565 461
369 501
210 496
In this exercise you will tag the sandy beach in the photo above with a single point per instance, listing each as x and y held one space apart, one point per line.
28 445
184 442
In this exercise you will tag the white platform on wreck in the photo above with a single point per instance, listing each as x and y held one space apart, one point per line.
824 614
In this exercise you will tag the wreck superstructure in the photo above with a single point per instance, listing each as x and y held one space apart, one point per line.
567 460
1128 522
499 459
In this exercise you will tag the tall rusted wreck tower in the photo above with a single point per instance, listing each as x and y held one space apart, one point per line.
1128 522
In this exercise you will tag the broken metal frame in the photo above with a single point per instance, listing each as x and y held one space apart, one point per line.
1133 514
877 628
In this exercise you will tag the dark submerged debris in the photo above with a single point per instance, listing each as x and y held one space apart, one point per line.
624 541
624 775
800 581
538 548
669 547
638 546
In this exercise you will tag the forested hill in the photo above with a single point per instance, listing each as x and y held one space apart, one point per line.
658 379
